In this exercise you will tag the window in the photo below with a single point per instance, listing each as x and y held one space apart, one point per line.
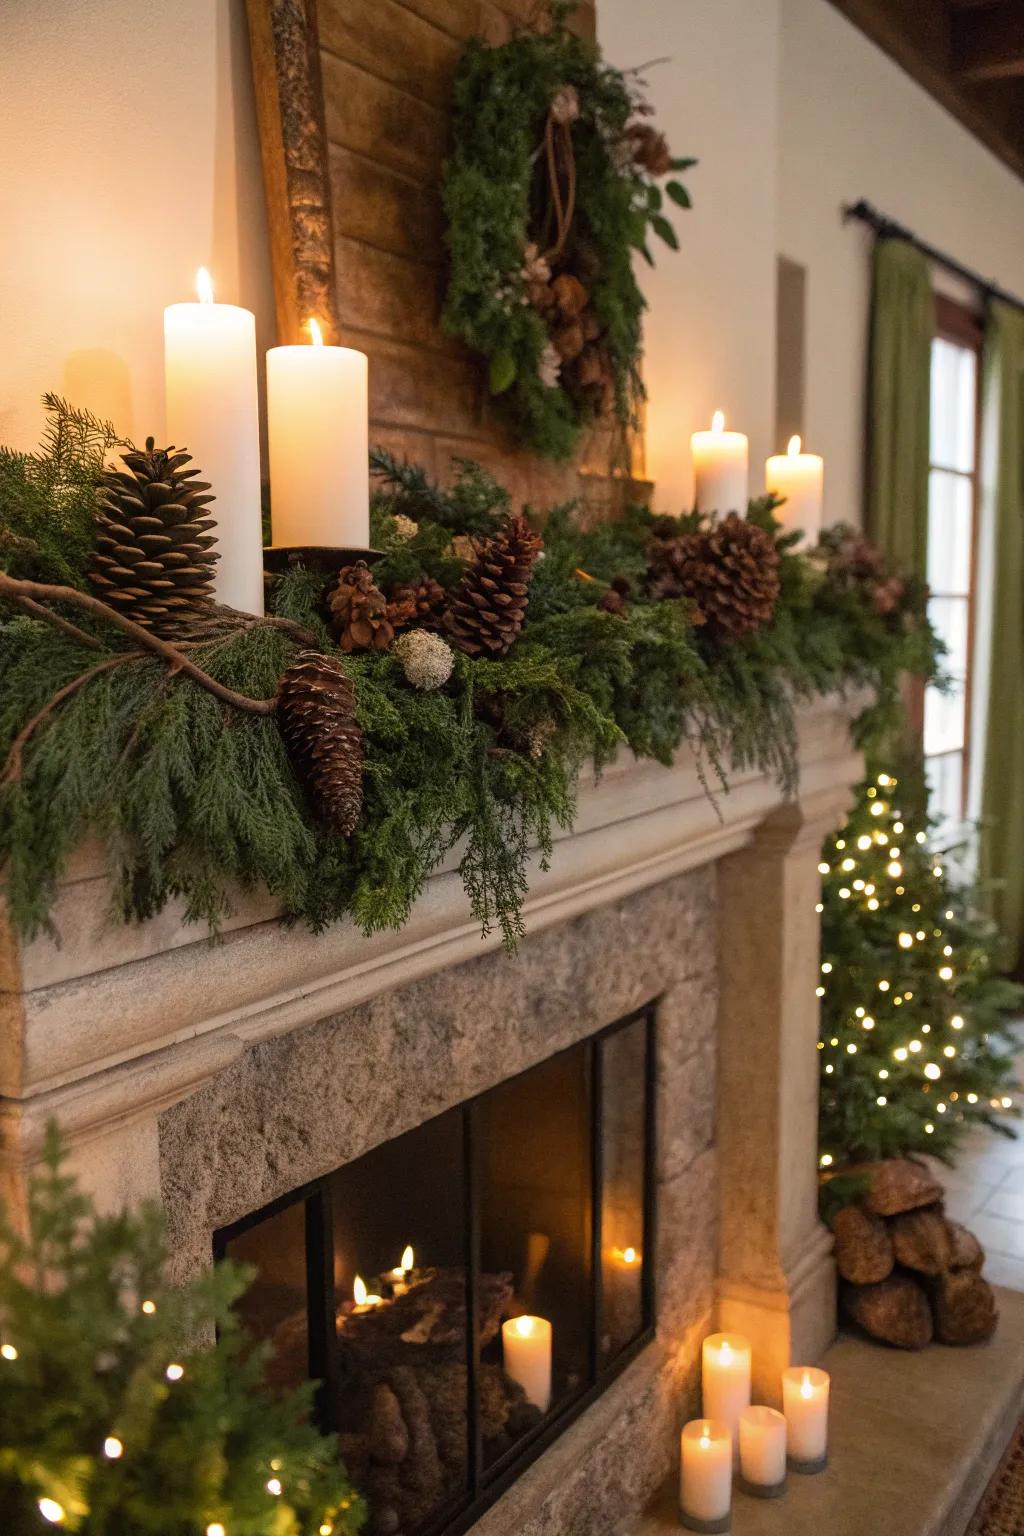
952 491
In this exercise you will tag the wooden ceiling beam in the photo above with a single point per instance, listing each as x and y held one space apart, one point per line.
988 43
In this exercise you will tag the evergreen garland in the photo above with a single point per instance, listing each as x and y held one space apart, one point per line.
915 1045
541 109
111 1422
195 800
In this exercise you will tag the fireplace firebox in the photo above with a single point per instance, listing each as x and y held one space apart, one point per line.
462 1292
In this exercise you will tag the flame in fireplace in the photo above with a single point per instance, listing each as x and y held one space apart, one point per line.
407 1257
359 1291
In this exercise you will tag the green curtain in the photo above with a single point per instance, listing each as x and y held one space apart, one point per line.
1001 612
902 324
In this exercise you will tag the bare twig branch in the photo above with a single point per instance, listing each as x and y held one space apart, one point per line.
17 590
39 612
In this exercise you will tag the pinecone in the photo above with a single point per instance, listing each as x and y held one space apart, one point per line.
487 608
154 554
359 611
730 569
423 600
317 716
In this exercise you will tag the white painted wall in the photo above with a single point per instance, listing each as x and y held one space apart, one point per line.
854 125
710 337
128 158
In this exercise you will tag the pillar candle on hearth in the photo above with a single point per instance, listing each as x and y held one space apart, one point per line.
705 1475
725 1378
526 1348
720 468
799 478
763 1450
317 429
805 1402
212 412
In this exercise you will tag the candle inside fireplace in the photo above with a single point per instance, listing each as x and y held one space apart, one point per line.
725 1378
526 1346
362 1298
805 1401
705 1475
212 412
317 428
720 461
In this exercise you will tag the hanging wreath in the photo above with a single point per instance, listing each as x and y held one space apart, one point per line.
555 178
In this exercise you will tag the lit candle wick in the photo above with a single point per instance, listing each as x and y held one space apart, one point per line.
204 286
718 422
794 445
806 1390
316 335
407 1255
524 1327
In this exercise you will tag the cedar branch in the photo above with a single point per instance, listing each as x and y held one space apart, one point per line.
12 767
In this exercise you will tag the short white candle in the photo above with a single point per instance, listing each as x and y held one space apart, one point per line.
800 478
762 1447
212 411
725 1378
705 1475
317 430
526 1346
720 468
805 1401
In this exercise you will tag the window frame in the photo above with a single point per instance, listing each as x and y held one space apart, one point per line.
962 326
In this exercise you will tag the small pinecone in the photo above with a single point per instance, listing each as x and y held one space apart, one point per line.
154 554
617 597
488 606
424 600
359 611
730 569
317 715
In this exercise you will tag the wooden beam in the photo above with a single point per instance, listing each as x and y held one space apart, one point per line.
988 44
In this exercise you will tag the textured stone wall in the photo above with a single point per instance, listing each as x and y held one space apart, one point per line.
297 1107
387 69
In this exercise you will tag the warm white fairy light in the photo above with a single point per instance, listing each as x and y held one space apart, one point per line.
873 904
881 838
823 868
829 1070
916 907
900 1053
926 1029
957 1021
881 1101
884 780
848 864
1007 1102
871 793
113 1448
149 1307
821 1045
915 1047
825 1160
819 906
878 809
826 967
851 1049
864 841
860 1012
899 890
274 1486
949 1050
174 1372
844 893
920 837
929 1128
869 890
972 1098
897 1002
906 940
948 917
894 869
898 827
883 985
834 1040
932 1072
52 1511
945 973
215 1529
907 996
819 991
947 949
883 1073
840 842
940 1109
867 1022
8 1352
858 885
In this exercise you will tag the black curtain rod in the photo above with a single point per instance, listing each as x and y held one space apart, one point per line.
886 229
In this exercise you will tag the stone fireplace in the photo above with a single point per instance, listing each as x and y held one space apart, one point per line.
231 1079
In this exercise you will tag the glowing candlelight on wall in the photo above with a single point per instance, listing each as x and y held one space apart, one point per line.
720 468
798 477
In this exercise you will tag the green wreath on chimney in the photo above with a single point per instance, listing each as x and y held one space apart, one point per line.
556 177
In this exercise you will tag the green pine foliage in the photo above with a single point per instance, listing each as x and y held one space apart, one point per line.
112 1423
492 199
914 1046
196 802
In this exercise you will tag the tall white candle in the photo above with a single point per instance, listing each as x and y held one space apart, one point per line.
317 426
725 1378
212 411
720 468
800 478
526 1346
705 1475
763 1450
805 1401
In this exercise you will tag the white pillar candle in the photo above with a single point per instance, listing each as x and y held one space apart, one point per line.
720 468
705 1475
805 1401
762 1450
725 1378
526 1346
800 479
212 411
317 427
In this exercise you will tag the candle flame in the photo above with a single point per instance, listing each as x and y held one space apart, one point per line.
726 1352
718 421
629 1257
806 1389
524 1326
705 1436
794 445
317 338
204 286
359 1291
407 1257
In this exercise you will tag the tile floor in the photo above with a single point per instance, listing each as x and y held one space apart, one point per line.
986 1192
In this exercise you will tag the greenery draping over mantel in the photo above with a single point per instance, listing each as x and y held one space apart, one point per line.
194 799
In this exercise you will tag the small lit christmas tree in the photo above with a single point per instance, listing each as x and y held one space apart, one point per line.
915 1044
111 1422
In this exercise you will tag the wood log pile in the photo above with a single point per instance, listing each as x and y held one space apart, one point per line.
908 1274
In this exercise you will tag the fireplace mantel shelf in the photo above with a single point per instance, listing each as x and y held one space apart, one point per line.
114 1021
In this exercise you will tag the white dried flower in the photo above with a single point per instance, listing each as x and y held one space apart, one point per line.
427 660
565 104
549 367
404 527
535 268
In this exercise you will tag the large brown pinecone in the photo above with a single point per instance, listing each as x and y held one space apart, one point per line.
487 608
419 602
317 715
359 611
154 553
729 569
